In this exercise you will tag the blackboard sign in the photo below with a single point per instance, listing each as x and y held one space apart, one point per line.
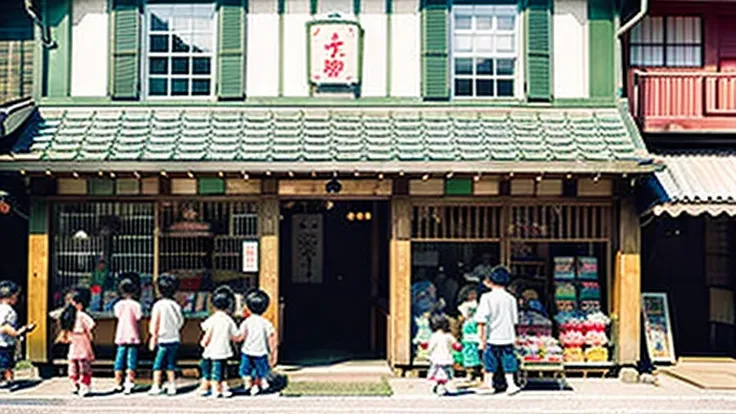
657 327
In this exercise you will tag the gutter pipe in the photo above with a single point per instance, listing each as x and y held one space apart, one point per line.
634 20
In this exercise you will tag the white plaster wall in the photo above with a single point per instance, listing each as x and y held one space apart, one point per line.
374 54
344 7
89 48
262 65
405 49
570 48
295 48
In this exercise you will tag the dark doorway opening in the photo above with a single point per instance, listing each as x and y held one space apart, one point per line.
334 280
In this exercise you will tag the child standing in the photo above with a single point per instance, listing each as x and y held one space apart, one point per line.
440 354
470 339
127 337
219 331
76 330
259 343
9 294
497 317
166 321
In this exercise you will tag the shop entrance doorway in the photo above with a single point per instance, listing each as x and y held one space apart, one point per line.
334 280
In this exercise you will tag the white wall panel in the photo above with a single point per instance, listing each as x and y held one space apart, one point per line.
374 54
570 54
405 49
262 65
295 48
89 48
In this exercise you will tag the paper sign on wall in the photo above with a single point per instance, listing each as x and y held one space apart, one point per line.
335 49
250 256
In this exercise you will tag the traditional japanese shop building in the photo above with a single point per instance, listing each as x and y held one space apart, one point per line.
338 154
680 61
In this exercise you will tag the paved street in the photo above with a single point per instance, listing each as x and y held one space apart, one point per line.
411 396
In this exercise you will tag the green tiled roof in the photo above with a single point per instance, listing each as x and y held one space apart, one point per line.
349 137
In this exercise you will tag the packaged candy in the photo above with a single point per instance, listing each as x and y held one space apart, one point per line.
565 291
564 268
587 268
596 354
573 355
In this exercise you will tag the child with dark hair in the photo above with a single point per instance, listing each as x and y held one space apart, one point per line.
260 348
219 331
9 294
127 337
497 317
76 330
166 321
440 349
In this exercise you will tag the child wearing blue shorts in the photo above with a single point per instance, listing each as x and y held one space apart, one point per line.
166 322
259 343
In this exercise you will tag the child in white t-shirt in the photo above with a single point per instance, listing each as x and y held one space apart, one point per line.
219 331
440 349
259 343
166 322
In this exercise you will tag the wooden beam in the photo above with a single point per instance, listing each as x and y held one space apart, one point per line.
38 282
268 279
399 346
627 285
365 187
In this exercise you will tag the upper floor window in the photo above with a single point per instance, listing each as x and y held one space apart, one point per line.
484 50
674 41
180 44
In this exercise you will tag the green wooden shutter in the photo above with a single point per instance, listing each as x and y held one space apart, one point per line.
539 57
231 62
435 61
601 41
126 20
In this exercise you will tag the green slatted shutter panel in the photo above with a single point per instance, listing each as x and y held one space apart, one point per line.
231 62
126 22
539 57
435 60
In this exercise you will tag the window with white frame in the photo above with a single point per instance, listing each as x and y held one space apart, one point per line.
180 50
484 50
674 41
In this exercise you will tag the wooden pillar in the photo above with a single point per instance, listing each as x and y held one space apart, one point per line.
38 281
627 285
399 345
268 279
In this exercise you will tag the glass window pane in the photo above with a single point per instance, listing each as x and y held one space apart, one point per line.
505 22
158 87
463 22
483 22
505 87
483 43
200 87
483 87
179 87
159 43
202 43
179 44
159 22
484 66
180 65
463 66
505 43
201 66
505 67
463 87
463 43
158 66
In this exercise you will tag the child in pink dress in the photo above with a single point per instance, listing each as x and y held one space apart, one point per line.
76 330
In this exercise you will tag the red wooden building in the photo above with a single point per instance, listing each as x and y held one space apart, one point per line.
680 64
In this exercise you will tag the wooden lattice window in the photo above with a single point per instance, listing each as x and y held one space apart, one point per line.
456 222
559 222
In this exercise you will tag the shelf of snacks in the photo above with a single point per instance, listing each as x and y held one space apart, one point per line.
582 326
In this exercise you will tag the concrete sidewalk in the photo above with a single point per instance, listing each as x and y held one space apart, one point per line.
402 388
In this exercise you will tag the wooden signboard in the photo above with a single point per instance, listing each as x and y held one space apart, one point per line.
657 327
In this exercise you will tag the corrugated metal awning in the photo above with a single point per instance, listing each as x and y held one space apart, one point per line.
698 183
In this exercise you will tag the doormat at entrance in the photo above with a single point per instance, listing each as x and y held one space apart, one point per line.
717 375
337 389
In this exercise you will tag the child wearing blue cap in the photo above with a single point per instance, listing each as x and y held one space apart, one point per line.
497 317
